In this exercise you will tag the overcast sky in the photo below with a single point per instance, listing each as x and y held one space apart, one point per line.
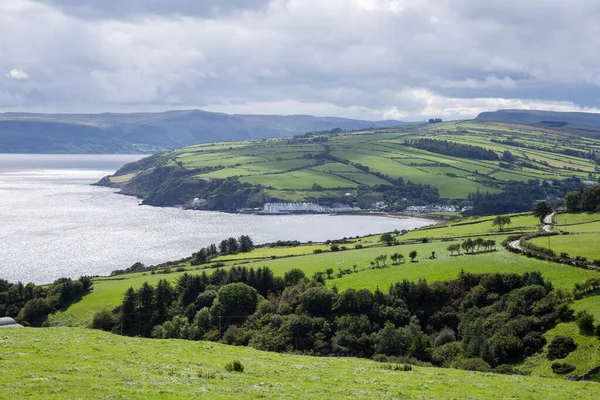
370 59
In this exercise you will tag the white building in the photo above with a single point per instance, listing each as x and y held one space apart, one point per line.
276 208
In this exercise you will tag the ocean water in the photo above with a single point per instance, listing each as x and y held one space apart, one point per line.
54 224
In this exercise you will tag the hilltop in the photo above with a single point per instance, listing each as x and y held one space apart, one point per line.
585 124
152 132
436 163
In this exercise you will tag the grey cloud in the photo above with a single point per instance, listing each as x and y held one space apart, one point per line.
124 9
358 58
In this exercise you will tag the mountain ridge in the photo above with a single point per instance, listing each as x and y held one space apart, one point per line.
152 132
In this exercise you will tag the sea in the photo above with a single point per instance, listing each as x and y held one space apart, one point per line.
54 224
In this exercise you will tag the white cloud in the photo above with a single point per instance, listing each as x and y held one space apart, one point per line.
17 74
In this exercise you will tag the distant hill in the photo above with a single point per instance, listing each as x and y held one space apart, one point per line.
578 122
150 132
414 165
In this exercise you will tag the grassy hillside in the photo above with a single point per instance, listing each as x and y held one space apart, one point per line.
108 292
149 132
326 167
587 354
63 363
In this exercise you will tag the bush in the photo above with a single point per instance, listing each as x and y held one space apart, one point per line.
446 336
218 265
560 347
447 354
397 367
565 313
104 320
562 368
472 364
585 322
235 366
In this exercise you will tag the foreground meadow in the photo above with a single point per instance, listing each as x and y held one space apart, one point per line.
60 363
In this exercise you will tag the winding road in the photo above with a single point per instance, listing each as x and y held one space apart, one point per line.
547 227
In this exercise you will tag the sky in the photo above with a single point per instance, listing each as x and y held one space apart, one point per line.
369 59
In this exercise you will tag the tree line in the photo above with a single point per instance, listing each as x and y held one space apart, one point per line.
586 199
520 196
29 303
477 321
232 245
453 149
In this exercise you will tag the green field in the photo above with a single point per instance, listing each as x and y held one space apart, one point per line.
520 223
585 245
59 363
281 166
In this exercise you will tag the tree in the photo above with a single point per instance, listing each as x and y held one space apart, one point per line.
392 341
317 300
293 277
573 202
246 244
387 238
329 271
146 308
235 299
232 245
412 255
468 245
479 242
541 209
454 247
500 221
223 247
128 312
585 322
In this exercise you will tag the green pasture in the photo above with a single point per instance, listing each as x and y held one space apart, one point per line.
476 226
59 363
301 179
586 245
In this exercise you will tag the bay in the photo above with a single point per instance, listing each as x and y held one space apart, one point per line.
54 224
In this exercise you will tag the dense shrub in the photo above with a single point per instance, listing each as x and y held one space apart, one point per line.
585 322
446 354
560 347
235 366
562 368
472 364
104 320
446 335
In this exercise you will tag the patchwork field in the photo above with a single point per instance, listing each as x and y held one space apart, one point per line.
344 162
92 364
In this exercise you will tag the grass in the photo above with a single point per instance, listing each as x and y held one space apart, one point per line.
476 226
586 245
58 363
